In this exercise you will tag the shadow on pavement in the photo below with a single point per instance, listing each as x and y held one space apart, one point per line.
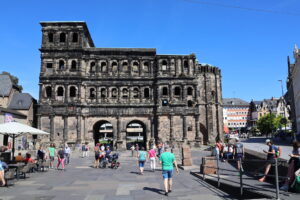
158 191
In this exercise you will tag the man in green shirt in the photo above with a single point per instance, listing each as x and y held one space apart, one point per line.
167 159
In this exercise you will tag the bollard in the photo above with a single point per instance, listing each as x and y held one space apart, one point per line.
276 179
241 178
218 173
203 171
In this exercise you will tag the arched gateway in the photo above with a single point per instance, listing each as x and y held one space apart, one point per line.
103 133
136 134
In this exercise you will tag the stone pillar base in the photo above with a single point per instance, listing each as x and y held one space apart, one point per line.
120 145
186 156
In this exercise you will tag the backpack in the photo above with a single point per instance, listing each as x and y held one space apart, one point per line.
277 151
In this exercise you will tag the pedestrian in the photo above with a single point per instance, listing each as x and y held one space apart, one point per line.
51 150
41 154
83 150
97 155
3 166
294 164
87 150
142 155
270 158
132 148
167 160
239 152
61 158
67 154
152 157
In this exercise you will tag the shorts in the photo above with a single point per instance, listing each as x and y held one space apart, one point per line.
167 174
141 163
238 156
51 158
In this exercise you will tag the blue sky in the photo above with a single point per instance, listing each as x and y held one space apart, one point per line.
248 39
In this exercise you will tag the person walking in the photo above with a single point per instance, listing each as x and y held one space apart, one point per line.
142 155
132 148
239 152
167 160
61 158
97 155
152 157
270 159
67 154
51 150
83 150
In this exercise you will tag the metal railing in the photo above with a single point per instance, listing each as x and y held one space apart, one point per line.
241 173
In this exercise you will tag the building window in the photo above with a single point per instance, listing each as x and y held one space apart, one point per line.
103 67
125 93
61 65
103 92
114 93
165 91
164 65
136 93
50 37
146 67
72 91
60 91
49 65
92 93
177 91
75 37
186 65
190 91
190 103
48 92
135 67
114 66
73 65
146 93
62 37
125 67
165 102
92 67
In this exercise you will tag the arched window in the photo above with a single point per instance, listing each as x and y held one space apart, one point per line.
114 66
72 91
60 91
164 65
136 93
73 65
177 91
48 91
114 93
92 67
75 37
125 93
103 92
103 67
190 103
92 93
185 64
190 91
165 91
125 67
135 67
146 67
146 93
62 37
50 37
61 65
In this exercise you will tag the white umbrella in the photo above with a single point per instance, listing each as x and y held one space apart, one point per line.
15 129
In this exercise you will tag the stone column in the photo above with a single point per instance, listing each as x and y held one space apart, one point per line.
184 131
118 128
66 93
51 128
197 127
171 128
78 127
65 134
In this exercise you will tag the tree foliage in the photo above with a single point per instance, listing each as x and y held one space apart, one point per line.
269 123
14 79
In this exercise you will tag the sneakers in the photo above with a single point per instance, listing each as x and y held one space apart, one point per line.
166 194
284 188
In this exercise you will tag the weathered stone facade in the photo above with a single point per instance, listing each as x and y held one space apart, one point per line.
172 97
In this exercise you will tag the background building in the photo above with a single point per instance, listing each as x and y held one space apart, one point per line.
15 106
236 114
124 95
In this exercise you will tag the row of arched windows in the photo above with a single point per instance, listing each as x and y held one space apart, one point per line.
62 37
177 91
165 65
60 91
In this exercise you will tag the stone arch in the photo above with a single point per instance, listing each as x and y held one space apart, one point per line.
135 67
48 91
103 132
136 133
72 91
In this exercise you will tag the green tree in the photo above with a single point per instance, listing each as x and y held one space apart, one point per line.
14 79
268 124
